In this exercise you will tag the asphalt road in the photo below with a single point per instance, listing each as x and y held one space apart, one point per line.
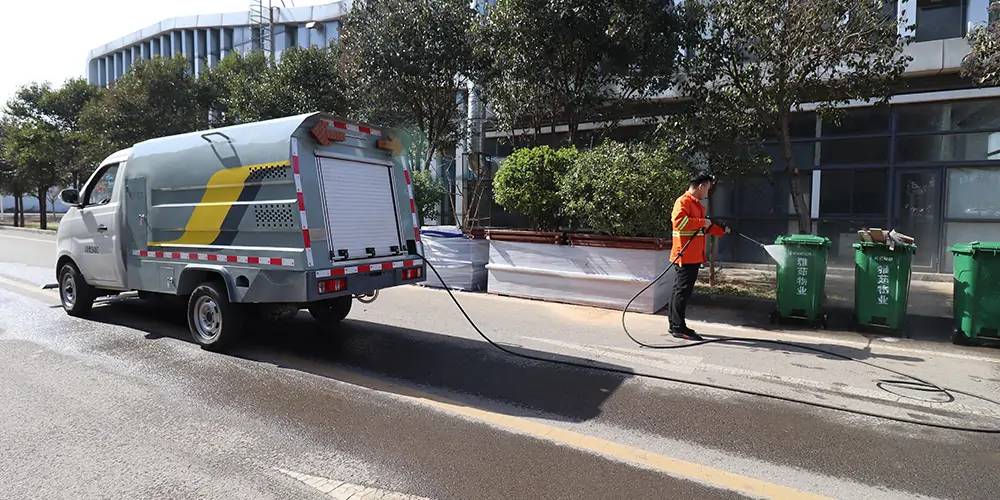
404 400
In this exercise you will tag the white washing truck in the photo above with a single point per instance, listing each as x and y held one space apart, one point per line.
266 218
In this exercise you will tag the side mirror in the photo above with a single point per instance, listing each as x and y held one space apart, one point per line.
70 197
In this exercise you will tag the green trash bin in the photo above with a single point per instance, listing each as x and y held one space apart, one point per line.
977 290
882 284
801 278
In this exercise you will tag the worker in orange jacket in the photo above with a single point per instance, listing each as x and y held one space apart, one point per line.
690 223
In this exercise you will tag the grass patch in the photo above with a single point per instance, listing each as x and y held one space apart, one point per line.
756 286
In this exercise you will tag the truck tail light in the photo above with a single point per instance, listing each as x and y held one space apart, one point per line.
332 285
412 273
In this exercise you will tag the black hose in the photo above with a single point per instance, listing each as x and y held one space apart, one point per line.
917 383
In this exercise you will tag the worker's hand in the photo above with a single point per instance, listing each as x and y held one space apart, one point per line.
708 223
727 230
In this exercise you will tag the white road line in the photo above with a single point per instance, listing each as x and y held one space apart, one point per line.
38 240
344 491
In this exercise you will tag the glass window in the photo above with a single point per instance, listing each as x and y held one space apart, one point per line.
759 195
858 121
965 232
871 150
835 192
950 147
804 153
973 193
843 234
764 231
721 199
102 187
940 19
960 115
870 187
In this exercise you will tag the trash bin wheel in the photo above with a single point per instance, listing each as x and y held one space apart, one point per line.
958 337
774 317
824 322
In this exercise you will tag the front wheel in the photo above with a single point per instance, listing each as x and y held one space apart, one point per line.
76 296
215 323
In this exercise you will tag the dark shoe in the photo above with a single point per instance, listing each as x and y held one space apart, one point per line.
686 334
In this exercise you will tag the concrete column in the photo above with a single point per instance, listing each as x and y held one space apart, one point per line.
176 44
226 43
109 65
212 37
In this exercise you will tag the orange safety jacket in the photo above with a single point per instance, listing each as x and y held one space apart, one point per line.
688 216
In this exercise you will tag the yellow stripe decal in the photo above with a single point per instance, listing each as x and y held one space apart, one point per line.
685 233
222 190
684 222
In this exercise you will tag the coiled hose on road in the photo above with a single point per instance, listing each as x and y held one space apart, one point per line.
911 381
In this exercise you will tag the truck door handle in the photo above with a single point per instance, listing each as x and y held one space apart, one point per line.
102 227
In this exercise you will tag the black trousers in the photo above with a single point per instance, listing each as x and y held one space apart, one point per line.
685 277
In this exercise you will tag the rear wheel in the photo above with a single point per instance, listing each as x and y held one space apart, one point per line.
215 323
76 296
331 312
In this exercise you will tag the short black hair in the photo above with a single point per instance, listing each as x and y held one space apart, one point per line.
699 178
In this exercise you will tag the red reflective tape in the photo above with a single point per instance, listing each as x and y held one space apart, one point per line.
232 258
253 260
302 201
406 175
295 164
305 238
274 261
337 272
340 125
413 206
212 257
365 130
192 256
408 263
143 253
158 255
364 269
416 234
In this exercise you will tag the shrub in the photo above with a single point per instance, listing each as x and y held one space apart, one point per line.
625 190
529 181
427 192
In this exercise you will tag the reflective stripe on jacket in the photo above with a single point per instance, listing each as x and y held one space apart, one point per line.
688 216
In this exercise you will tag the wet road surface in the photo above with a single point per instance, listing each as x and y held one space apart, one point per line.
124 405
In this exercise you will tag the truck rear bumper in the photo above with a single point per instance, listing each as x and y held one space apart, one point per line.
279 286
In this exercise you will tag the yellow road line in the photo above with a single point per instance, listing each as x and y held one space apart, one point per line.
669 465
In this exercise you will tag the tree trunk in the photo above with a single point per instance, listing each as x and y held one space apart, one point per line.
802 211
43 222
18 216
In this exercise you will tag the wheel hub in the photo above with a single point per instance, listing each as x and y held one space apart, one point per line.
68 290
208 318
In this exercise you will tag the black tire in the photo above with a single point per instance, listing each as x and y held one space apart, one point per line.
215 323
824 321
958 337
331 312
75 295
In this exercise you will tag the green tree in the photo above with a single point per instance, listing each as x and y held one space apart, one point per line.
407 60
12 179
155 98
621 189
563 62
43 136
982 63
528 183
247 87
769 57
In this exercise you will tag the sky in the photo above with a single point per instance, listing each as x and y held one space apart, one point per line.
48 40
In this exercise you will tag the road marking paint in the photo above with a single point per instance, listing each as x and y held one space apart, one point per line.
37 240
671 466
26 286
344 491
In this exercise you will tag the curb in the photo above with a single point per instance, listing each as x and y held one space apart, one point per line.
27 230
916 326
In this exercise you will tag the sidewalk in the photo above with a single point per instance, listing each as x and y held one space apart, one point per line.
929 309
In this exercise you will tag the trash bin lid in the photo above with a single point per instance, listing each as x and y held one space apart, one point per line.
803 239
871 244
976 247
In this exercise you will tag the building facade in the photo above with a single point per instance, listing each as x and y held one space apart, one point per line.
927 165
267 26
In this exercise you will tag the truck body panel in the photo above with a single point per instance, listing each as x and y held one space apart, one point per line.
255 204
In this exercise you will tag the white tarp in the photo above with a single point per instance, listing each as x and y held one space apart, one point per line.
459 259
591 276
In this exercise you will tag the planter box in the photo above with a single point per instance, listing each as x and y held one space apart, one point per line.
459 258
586 270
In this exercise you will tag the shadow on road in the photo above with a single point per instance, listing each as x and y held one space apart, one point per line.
438 364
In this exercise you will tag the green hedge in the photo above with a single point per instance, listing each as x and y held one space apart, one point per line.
619 189
529 181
